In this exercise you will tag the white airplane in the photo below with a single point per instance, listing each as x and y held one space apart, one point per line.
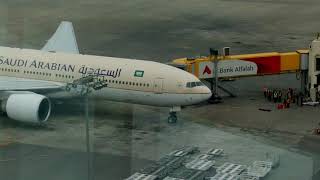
30 78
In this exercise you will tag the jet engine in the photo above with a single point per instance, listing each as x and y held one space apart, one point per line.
30 107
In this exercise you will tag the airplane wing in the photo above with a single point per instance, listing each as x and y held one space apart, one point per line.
63 40
20 84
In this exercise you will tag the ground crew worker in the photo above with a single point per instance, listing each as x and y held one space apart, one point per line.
288 95
265 90
275 96
269 94
291 94
280 96
288 103
291 91
294 97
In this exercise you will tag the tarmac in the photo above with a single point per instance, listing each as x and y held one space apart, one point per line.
125 137
125 142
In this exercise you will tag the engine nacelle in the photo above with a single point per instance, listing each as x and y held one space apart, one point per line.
31 107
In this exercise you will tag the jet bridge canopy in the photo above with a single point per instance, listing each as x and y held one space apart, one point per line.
243 65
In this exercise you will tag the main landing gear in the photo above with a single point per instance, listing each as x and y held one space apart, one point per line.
172 119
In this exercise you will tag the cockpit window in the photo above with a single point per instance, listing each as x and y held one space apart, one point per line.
194 84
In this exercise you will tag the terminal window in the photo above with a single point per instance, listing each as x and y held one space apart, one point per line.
318 64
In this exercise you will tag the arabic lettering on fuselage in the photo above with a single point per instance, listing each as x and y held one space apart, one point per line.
100 72
84 70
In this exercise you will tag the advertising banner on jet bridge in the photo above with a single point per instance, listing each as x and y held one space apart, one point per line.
227 68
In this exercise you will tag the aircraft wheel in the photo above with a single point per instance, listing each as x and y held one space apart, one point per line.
172 119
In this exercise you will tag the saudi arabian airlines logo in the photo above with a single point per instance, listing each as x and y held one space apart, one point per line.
138 73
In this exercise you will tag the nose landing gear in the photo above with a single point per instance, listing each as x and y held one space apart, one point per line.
172 119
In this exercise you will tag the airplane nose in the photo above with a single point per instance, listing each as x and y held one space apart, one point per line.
208 93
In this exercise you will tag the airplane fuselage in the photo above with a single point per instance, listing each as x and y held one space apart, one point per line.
128 80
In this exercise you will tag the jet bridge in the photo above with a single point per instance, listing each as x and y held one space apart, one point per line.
305 63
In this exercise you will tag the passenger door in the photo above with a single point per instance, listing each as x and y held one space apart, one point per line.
158 85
